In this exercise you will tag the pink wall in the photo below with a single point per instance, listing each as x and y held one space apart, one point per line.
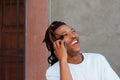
36 53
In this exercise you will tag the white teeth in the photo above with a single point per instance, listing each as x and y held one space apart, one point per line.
74 42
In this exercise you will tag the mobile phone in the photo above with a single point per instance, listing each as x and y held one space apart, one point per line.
61 38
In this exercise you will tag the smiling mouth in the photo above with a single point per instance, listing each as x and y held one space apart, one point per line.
74 42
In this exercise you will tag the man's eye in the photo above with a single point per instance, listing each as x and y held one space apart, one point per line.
73 31
65 34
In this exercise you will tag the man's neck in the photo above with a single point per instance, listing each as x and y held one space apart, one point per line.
76 59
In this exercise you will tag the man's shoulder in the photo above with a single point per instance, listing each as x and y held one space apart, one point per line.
93 55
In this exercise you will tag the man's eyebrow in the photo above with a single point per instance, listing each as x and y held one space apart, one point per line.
66 31
72 29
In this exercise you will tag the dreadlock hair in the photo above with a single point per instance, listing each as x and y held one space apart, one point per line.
50 38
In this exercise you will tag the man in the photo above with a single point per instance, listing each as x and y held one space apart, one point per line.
67 61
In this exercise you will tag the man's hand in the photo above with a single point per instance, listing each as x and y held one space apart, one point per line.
60 50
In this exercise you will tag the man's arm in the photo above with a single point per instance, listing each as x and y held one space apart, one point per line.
61 53
64 70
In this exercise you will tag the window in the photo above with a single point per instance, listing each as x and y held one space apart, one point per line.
12 39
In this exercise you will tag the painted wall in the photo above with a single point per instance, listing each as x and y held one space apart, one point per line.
96 21
36 52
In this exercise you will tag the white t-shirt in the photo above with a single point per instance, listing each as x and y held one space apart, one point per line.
93 67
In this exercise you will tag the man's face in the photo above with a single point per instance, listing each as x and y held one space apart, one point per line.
70 37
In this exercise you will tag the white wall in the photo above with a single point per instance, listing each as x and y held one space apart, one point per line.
97 22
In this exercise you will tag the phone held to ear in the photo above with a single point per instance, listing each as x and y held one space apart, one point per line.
61 38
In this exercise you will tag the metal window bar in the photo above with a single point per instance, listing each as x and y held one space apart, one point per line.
12 49
10 34
17 60
10 22
4 20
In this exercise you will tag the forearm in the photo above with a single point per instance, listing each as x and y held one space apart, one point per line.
64 70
